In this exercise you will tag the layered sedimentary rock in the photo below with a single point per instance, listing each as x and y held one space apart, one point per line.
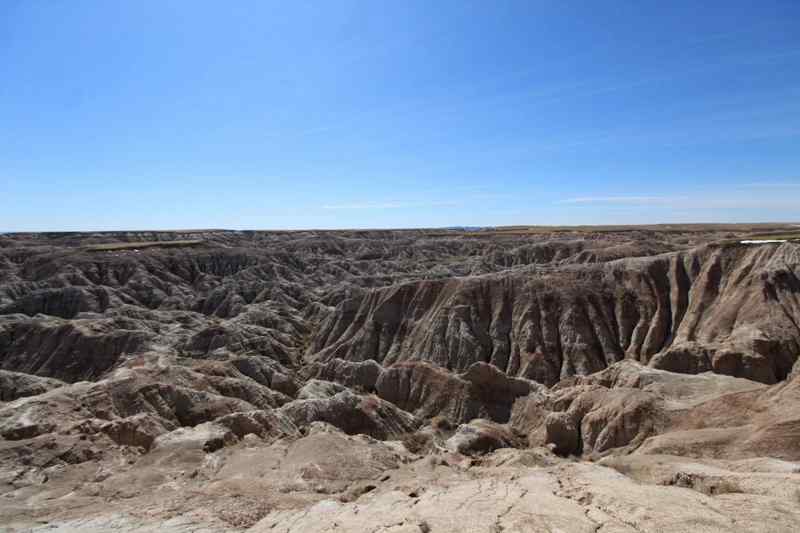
629 379
729 309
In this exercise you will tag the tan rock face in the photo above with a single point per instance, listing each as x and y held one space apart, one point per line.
352 414
424 381
482 436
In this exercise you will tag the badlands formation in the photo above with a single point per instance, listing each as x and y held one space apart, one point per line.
615 379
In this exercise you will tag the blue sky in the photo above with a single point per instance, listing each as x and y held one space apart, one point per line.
191 114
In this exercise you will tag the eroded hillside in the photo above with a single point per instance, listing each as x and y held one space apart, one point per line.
628 378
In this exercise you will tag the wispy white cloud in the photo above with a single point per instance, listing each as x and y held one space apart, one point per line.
392 205
701 200
623 200
773 203
470 195
771 185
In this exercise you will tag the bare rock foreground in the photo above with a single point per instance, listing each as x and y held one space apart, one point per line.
504 380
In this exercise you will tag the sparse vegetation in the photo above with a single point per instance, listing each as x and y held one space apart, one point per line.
725 486
786 236
417 442
242 513
712 486
441 423
122 246
521 231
